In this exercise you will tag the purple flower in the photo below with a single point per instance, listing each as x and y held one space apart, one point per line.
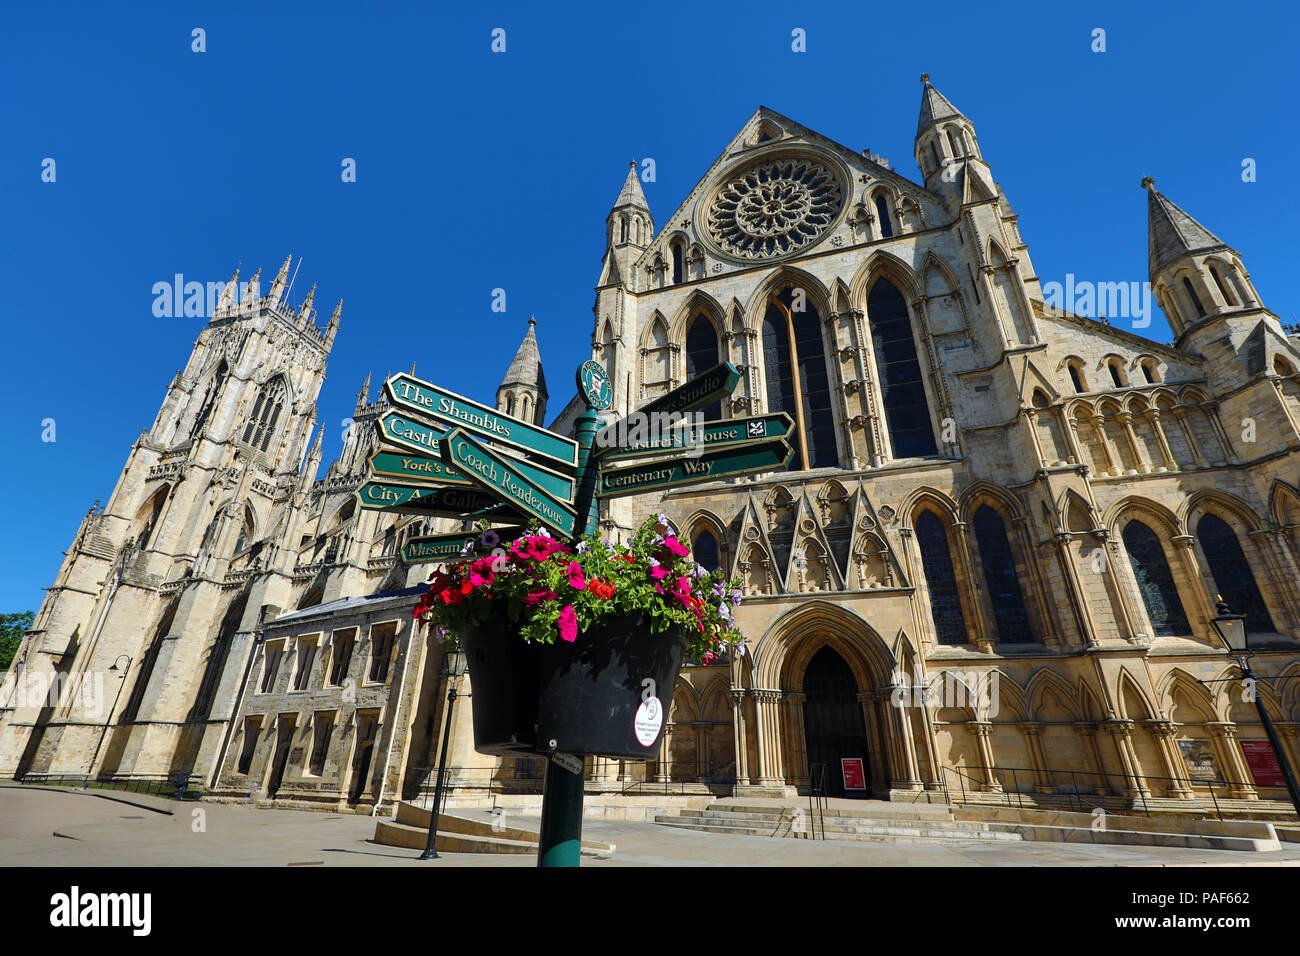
582 547
719 590
490 539
543 533
735 599
439 632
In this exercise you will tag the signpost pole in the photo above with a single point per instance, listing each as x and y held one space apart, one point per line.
559 840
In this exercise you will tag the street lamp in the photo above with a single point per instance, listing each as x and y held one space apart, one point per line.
109 719
454 662
1231 629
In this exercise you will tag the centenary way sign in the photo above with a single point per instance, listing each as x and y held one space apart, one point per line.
454 410
448 547
742 459
464 460
502 476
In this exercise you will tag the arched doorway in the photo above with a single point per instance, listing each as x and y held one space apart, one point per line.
834 727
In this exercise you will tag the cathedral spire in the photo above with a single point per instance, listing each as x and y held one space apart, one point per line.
631 194
1172 233
332 329
523 390
307 310
254 287
281 279
363 396
230 293
935 107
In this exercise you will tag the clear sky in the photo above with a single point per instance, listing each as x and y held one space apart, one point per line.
478 170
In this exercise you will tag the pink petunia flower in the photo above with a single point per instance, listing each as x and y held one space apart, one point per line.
568 624
576 577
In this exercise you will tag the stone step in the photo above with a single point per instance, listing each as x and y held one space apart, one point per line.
831 821
940 838
466 831
844 828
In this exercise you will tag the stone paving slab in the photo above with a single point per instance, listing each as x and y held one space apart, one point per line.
99 832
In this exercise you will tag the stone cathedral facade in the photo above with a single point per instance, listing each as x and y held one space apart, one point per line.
990 566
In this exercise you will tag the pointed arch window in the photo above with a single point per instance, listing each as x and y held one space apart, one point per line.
936 559
245 532
702 355
705 551
622 222
1115 375
209 400
882 211
1000 578
798 380
907 411
1076 378
1192 297
1155 581
679 267
1223 289
934 153
266 414
1232 574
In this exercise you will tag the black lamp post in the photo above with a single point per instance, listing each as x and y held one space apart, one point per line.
453 666
109 719
1231 629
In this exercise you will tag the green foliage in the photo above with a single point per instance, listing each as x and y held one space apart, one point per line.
12 627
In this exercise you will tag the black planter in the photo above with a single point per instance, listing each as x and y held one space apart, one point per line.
581 698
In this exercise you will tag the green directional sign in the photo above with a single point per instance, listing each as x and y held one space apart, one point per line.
398 428
416 468
449 547
769 455
455 502
501 475
700 392
421 468
450 409
723 434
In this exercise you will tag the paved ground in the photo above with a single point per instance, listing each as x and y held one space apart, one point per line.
43 826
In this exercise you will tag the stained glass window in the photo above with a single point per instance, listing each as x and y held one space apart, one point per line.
936 559
907 412
1155 581
702 355
1000 578
1232 575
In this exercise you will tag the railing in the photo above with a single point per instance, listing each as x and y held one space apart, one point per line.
817 798
422 781
684 777
1024 780
176 786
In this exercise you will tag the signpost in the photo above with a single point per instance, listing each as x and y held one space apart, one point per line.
712 435
501 475
461 459
452 410
453 502
448 547
742 459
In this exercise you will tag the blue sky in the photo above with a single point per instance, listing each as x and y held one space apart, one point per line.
479 170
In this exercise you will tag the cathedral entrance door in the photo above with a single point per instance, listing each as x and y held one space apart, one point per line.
833 723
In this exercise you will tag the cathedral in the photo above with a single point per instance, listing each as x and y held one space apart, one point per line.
989 568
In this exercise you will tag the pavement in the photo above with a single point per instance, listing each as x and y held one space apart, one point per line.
48 826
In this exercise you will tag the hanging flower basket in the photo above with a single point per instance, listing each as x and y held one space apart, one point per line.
577 649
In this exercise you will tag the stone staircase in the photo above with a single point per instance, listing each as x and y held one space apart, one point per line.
879 823
465 831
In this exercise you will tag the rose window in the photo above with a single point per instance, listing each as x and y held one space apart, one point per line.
774 208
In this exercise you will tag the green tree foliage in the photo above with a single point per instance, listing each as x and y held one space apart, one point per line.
12 627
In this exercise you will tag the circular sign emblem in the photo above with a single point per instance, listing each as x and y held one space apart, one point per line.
595 386
649 721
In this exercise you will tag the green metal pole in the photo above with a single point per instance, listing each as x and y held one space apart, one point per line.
560 837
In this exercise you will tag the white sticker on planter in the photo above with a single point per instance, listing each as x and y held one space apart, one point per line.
649 720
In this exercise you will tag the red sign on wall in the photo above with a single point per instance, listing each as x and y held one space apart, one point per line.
855 778
1263 763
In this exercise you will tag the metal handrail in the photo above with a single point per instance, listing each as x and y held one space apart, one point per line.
175 786
1137 785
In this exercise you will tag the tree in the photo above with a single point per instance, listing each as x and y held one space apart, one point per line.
12 627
